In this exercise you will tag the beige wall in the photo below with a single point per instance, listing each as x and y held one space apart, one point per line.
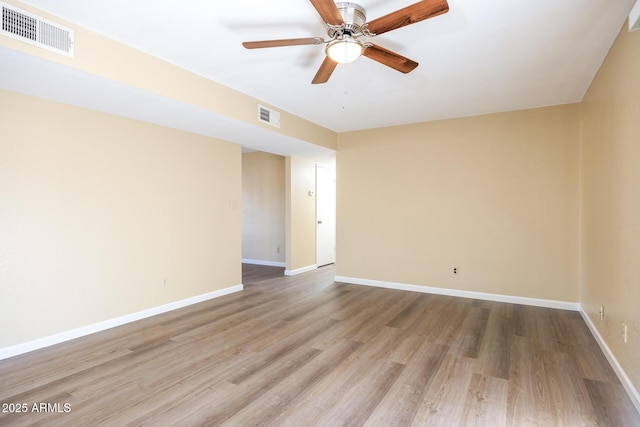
107 58
300 213
611 200
263 218
495 196
96 211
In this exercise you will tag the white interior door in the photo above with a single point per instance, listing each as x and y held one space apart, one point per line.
325 215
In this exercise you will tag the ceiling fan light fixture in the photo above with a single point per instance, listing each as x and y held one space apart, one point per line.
344 50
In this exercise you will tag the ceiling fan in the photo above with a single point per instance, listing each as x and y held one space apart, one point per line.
347 23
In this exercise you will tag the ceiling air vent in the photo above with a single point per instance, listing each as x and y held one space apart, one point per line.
30 28
268 116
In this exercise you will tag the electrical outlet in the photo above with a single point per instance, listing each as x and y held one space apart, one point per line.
624 333
602 312
455 270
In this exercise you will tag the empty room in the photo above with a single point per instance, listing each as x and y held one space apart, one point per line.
319 213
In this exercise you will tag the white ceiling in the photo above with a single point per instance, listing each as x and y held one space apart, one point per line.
481 57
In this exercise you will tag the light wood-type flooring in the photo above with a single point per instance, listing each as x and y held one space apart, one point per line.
305 351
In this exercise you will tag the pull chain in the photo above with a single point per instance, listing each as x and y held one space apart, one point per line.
345 91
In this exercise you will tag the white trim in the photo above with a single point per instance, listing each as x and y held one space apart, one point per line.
622 376
267 263
37 344
634 17
562 305
300 270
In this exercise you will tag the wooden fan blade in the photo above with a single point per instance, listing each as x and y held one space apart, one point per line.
328 11
409 15
283 42
323 74
390 59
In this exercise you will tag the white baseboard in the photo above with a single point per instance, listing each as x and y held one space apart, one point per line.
300 270
260 262
37 344
622 376
562 305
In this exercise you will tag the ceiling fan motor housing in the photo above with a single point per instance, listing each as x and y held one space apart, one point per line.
354 17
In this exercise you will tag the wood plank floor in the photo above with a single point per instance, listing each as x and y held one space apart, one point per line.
305 351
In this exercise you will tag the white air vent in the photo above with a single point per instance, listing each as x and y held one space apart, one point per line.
30 28
268 116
